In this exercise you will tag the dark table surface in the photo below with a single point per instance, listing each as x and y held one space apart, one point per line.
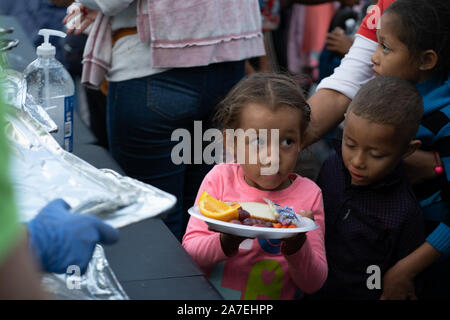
148 261
157 265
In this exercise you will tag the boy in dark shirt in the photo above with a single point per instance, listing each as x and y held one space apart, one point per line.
372 218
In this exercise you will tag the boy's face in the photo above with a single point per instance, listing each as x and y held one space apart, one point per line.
370 151
278 159
392 57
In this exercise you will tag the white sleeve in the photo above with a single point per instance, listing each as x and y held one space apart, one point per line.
355 68
107 7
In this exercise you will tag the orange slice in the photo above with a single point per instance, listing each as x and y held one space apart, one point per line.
212 208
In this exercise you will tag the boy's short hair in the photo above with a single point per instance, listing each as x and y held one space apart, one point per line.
390 100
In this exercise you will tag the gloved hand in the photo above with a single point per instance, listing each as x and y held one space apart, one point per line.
61 238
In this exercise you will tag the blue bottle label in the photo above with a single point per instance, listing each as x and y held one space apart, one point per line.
68 123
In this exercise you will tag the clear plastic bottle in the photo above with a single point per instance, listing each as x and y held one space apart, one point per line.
52 87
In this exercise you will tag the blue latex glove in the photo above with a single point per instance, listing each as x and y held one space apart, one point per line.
61 238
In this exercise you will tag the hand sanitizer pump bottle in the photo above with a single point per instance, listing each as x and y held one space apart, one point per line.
52 87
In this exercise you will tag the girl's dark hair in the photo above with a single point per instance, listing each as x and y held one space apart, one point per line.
425 25
269 89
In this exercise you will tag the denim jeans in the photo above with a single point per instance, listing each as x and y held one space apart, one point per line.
142 113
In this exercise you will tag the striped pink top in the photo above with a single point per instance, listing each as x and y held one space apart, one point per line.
181 34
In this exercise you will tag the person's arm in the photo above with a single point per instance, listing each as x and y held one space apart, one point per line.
420 166
328 107
83 13
60 238
335 92
412 256
398 282
204 245
308 266
19 277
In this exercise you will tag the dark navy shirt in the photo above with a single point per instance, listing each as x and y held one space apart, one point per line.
366 226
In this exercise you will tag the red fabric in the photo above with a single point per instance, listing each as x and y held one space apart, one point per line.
368 27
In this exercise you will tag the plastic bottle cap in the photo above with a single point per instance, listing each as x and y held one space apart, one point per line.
46 49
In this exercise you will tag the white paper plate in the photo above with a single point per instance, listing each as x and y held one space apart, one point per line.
251 231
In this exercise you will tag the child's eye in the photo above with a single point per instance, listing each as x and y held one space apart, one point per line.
385 49
377 156
350 146
287 142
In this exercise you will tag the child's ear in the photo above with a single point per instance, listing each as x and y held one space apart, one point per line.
412 147
428 60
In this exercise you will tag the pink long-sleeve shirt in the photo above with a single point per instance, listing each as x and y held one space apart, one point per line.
259 270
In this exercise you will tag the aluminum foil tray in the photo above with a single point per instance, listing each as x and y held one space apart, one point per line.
98 283
42 171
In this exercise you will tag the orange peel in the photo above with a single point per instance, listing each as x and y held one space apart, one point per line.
212 208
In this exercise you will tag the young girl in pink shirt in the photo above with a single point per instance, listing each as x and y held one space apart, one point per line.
261 268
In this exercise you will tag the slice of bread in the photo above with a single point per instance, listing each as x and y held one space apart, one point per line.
259 210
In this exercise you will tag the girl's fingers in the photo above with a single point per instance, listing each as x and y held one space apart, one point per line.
72 11
72 20
84 25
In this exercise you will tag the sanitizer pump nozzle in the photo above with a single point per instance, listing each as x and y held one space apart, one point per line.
46 49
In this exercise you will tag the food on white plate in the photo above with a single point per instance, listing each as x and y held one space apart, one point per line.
258 210
256 214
